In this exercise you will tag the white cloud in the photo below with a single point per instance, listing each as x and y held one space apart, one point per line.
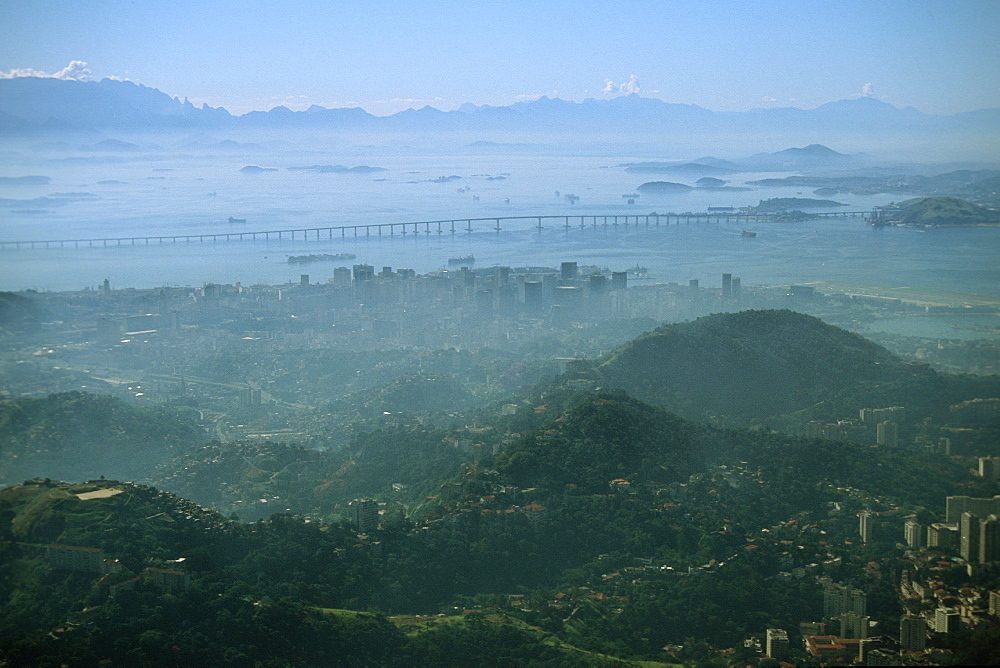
768 98
866 91
625 88
76 70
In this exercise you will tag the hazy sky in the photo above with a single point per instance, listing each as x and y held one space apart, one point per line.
939 57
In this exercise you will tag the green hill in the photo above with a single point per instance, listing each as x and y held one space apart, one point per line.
270 593
941 211
18 313
78 436
754 366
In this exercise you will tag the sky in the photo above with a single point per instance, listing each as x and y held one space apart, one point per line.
385 56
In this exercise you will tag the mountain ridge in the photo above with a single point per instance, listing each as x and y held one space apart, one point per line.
36 104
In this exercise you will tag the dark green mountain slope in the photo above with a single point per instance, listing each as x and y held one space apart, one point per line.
781 366
77 436
941 211
271 593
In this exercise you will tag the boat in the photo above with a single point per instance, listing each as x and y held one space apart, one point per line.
638 272
236 220
320 257
748 233
466 261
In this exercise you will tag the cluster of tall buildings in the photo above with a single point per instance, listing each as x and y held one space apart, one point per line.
971 526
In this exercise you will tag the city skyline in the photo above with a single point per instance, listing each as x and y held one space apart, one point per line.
387 57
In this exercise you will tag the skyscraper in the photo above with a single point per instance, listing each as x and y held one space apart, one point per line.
989 539
946 620
913 533
865 526
567 271
365 514
968 537
912 633
777 644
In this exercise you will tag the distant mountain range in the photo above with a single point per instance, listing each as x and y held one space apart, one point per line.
31 105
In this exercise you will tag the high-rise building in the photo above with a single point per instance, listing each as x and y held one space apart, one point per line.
989 468
914 533
727 286
912 633
777 644
943 536
484 302
838 599
533 295
865 526
994 603
736 287
989 539
956 505
341 276
363 272
365 514
304 279
853 625
946 620
619 280
597 284
968 537
567 271
887 434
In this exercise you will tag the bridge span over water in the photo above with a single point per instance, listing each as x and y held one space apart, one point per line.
451 226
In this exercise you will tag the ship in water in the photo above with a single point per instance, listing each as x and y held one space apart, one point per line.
320 257
748 233
466 261
236 220
639 273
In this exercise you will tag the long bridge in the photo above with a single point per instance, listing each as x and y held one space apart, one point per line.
451 226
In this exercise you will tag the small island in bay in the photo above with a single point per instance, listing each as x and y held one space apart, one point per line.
790 203
256 169
662 187
31 180
936 212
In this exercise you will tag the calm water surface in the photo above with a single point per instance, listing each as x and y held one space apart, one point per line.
197 194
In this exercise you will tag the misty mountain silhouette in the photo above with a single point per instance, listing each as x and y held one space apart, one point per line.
29 104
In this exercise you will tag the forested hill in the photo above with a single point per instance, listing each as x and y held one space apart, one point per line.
781 366
77 436
940 211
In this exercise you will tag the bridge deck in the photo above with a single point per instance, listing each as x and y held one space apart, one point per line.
450 226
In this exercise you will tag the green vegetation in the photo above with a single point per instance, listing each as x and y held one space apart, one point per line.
940 211
611 530
656 187
77 436
580 527
776 367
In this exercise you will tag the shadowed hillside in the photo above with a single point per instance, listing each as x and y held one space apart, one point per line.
76 436
751 366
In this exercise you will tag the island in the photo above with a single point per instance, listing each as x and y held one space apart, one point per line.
936 212
663 187
789 203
